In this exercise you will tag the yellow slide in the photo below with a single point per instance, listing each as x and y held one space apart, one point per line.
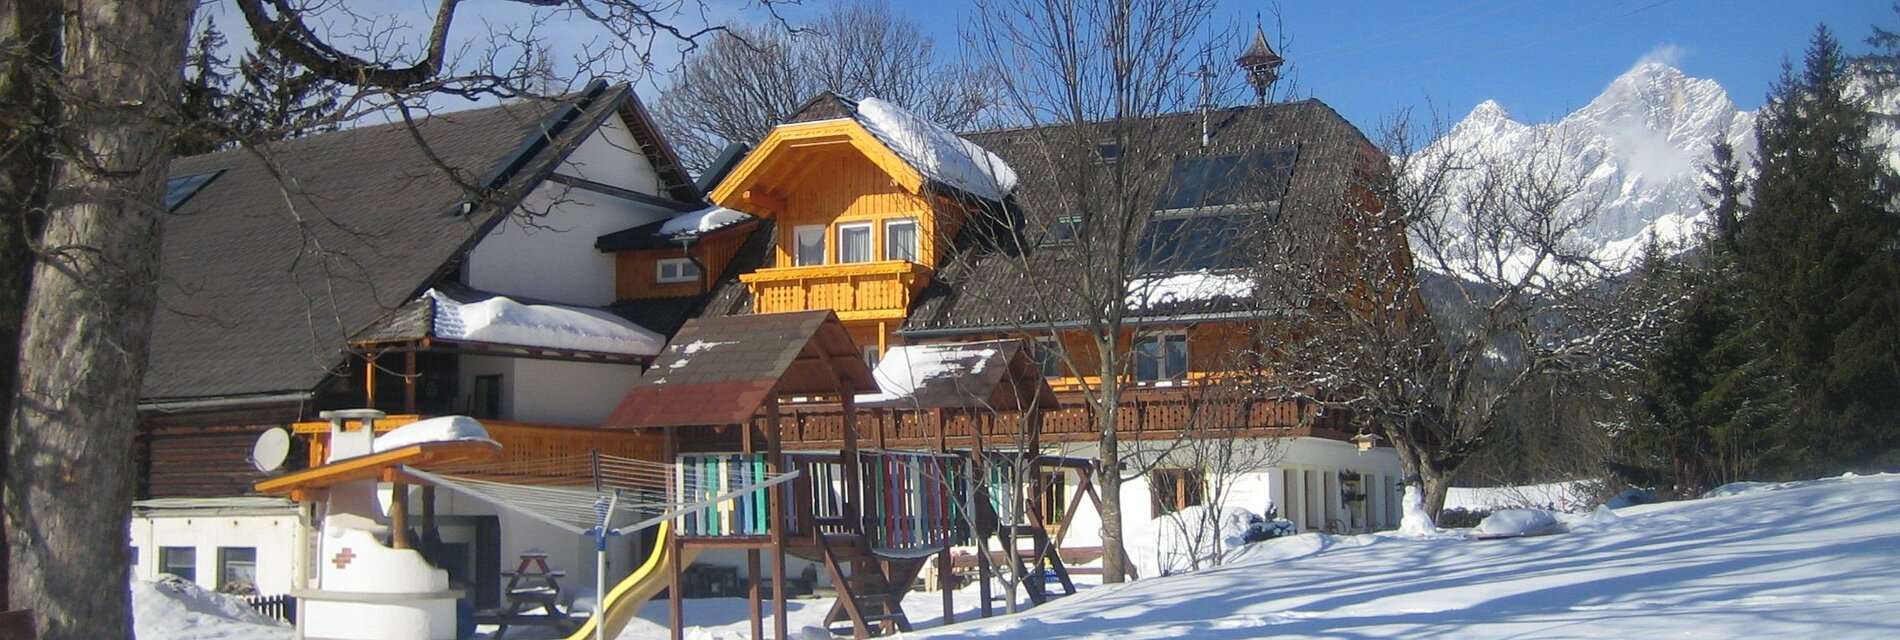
624 600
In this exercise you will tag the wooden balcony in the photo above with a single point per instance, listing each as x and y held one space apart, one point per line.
862 291
519 441
1145 414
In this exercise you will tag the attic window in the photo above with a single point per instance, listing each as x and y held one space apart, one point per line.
1063 231
1192 242
182 188
1108 150
671 270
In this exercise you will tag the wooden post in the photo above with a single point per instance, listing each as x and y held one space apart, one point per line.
676 606
399 516
409 383
754 608
774 460
428 514
369 380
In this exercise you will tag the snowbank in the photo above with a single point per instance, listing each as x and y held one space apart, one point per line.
171 608
1518 522
1570 497
443 429
703 220
1198 286
502 320
936 152
1186 539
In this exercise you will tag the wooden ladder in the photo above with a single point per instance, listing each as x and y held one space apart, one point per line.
1041 552
868 596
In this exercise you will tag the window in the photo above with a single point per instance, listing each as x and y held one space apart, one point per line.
1064 230
179 561
900 240
1193 242
1048 354
854 243
1217 181
182 188
237 570
677 270
1174 489
484 400
870 356
809 245
1108 150
1052 496
1161 357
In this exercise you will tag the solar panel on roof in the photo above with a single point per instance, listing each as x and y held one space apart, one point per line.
1215 181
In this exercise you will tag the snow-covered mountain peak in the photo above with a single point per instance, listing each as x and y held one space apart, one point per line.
1637 147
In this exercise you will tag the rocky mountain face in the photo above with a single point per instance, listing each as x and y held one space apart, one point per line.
1637 149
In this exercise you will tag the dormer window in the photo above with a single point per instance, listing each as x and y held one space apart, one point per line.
674 270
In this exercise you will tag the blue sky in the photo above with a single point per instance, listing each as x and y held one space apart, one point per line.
1539 58
1370 58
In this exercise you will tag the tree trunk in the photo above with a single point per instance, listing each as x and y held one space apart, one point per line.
31 28
1416 462
87 321
1109 477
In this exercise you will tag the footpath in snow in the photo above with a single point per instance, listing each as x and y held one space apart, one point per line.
1754 560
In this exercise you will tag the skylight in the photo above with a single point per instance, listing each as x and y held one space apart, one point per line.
1257 177
182 188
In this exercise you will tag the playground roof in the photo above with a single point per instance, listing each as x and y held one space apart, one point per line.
720 371
992 374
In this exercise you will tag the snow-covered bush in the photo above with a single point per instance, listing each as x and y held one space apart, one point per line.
1518 522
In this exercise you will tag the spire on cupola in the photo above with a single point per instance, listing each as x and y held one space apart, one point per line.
1261 64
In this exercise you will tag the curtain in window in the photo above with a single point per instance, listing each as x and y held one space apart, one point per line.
900 240
854 244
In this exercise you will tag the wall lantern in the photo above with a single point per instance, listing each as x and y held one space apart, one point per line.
1366 441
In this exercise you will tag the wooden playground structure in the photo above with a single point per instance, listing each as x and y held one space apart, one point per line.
724 396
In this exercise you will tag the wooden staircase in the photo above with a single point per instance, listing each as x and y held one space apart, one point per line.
870 587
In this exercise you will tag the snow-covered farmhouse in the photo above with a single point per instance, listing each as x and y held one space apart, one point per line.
861 208
360 268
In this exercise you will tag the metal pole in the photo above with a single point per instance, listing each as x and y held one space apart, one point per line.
600 560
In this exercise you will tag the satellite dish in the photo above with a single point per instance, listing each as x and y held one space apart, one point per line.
272 448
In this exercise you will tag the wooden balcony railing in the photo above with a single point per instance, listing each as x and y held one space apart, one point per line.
1144 414
520 441
856 291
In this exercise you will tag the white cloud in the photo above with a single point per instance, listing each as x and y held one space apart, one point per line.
1668 54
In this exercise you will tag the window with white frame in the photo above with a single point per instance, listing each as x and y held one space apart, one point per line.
237 570
900 239
854 242
1161 356
808 245
676 270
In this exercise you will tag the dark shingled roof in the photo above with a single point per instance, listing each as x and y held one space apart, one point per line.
722 370
975 292
301 244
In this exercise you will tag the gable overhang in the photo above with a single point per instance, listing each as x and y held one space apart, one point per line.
759 183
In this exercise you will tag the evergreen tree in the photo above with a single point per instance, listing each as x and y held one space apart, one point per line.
1819 261
279 100
205 102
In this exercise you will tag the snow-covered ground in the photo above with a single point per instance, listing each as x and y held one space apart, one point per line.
1756 560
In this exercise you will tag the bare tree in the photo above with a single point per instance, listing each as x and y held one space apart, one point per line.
1523 299
1215 453
1115 96
747 80
91 91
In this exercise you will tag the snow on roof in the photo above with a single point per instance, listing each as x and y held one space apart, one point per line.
502 320
1195 286
443 429
702 221
936 152
905 369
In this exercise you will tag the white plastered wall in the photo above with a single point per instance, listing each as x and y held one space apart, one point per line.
546 250
1318 461
206 533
